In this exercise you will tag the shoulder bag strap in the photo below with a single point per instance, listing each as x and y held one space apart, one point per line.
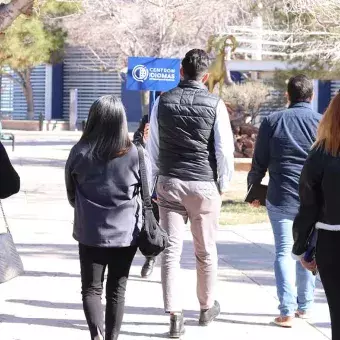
4 216
144 178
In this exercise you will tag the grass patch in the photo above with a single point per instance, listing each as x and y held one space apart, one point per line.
238 212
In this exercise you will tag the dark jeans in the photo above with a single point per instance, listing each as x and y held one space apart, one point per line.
93 262
328 253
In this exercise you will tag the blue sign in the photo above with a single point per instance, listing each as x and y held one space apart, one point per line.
152 74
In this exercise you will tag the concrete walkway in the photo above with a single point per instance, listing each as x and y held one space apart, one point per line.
45 303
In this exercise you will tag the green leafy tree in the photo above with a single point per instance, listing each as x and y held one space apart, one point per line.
31 41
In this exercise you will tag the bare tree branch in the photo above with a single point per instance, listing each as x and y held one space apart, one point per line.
162 28
292 29
8 12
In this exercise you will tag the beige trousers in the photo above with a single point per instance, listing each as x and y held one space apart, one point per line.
200 203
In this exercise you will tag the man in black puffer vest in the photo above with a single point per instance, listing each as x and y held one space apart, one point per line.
191 147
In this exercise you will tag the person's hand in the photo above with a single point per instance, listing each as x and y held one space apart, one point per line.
255 204
146 132
311 266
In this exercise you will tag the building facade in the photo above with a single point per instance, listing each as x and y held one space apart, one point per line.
52 85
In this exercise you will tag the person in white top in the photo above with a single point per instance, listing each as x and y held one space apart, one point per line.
191 147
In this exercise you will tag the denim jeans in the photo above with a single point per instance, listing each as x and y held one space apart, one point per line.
289 273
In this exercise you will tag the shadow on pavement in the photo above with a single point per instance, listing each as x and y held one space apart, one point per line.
79 306
50 274
67 323
191 317
236 322
66 251
48 162
249 314
138 278
253 259
321 325
149 335
43 143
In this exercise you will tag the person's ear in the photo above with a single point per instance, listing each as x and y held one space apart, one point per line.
205 78
287 97
181 71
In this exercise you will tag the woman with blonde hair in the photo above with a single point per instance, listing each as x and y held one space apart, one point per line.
320 209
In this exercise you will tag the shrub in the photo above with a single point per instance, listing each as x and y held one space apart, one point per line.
246 99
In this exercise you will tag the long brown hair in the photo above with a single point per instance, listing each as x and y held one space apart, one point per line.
328 135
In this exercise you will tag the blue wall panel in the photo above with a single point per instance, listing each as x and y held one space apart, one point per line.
132 103
324 96
57 91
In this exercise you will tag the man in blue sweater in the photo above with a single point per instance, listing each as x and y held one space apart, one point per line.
282 146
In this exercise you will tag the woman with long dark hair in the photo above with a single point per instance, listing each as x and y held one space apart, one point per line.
103 186
320 209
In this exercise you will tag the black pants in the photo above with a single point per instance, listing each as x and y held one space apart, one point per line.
93 262
327 257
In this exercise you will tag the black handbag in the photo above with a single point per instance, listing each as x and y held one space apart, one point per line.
10 262
153 239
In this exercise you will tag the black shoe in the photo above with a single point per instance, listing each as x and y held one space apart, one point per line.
148 267
208 316
176 326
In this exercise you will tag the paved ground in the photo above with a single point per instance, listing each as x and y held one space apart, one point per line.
46 303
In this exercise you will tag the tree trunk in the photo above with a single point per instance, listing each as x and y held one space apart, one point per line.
145 101
28 92
9 12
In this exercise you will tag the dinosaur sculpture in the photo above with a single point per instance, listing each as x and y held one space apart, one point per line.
217 70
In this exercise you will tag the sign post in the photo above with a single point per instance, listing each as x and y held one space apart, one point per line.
152 74
152 100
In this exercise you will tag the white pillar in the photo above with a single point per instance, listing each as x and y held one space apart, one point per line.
48 91
73 109
257 45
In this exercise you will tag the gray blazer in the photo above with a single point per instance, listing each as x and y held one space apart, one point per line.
105 196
